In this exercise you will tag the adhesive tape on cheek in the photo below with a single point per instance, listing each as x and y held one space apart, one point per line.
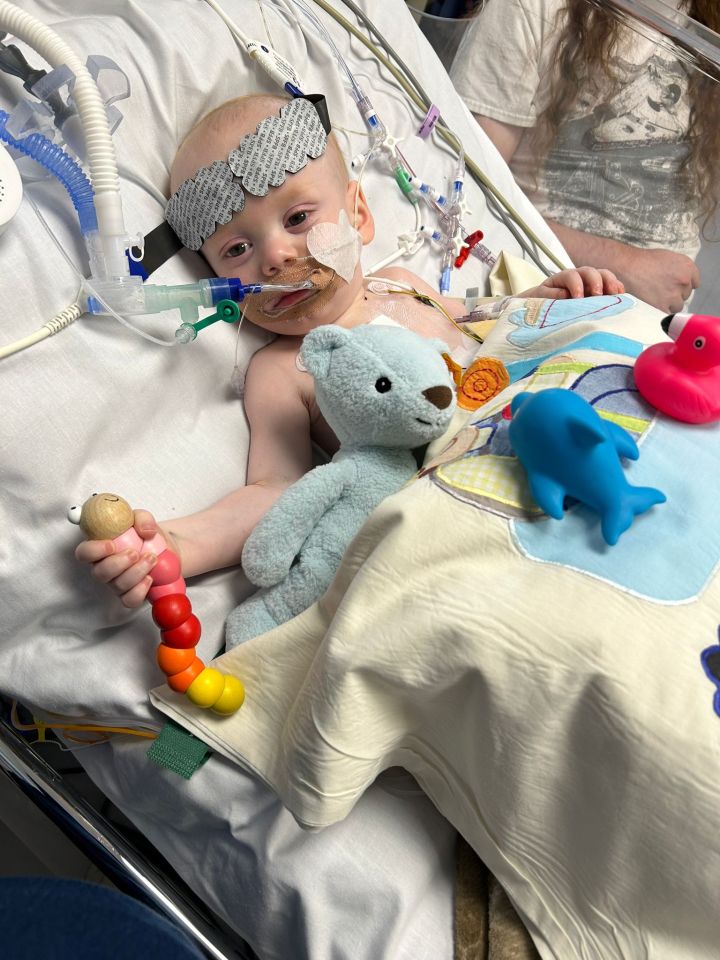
336 245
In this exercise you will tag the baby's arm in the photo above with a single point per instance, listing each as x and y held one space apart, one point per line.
280 453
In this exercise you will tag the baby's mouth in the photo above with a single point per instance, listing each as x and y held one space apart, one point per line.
278 305
274 306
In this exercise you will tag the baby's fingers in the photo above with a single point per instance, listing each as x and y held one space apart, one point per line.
611 284
126 577
90 551
592 281
136 596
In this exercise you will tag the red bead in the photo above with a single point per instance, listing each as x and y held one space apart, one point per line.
171 611
166 569
186 635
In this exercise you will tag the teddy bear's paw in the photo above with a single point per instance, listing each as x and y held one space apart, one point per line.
248 620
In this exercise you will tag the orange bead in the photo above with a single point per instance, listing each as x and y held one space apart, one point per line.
172 660
181 681
186 635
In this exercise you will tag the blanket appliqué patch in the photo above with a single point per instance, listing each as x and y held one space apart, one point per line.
711 665
538 318
478 465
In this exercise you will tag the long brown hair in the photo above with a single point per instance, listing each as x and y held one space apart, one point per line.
586 46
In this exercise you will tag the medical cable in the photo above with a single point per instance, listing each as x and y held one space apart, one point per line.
108 254
397 287
421 100
40 726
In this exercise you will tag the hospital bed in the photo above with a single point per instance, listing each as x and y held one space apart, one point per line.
97 406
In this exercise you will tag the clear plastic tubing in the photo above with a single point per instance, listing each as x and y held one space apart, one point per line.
91 109
61 164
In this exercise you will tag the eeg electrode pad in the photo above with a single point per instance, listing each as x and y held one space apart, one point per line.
280 145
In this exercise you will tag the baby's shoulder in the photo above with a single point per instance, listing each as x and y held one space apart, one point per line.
273 372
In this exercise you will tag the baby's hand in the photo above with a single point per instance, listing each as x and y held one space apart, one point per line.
126 572
574 283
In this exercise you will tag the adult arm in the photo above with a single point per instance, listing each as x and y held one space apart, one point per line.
663 278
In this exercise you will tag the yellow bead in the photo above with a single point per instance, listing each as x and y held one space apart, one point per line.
231 699
206 687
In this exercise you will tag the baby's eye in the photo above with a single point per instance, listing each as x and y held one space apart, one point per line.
236 250
295 219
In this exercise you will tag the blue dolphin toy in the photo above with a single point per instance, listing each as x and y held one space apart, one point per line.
568 450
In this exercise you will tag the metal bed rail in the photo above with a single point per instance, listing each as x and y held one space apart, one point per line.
105 846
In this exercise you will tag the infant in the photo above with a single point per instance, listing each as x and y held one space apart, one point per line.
261 232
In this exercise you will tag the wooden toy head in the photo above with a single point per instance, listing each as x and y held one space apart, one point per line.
105 515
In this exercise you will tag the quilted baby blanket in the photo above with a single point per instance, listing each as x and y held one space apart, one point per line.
557 698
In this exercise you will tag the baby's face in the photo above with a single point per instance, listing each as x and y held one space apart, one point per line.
266 242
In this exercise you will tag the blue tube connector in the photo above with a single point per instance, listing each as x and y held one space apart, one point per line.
62 165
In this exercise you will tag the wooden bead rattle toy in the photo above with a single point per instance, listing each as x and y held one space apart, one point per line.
107 516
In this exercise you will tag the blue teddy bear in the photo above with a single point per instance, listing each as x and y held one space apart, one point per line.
384 391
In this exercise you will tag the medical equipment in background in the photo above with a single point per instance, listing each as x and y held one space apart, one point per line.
11 190
113 287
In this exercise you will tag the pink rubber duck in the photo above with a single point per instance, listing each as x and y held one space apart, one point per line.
682 379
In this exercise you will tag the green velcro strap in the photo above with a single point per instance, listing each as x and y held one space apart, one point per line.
178 750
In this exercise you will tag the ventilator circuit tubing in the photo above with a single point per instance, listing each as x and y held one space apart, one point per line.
96 129
61 164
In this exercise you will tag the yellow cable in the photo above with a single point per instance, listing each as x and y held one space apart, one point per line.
423 297
41 726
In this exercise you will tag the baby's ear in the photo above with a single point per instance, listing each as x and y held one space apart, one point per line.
318 346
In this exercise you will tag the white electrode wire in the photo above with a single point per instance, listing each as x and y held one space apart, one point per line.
229 22
90 107
325 35
59 322
422 103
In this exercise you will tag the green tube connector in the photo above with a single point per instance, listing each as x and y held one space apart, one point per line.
403 181
227 310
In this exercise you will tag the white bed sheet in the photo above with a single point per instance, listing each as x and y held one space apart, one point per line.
96 407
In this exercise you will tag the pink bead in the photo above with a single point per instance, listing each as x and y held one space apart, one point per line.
130 540
166 569
177 586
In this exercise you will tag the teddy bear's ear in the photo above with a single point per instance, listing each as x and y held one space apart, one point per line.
318 346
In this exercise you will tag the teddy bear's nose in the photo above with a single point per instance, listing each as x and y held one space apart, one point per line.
439 397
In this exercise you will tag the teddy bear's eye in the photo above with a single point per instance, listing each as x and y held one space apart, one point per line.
382 385
699 343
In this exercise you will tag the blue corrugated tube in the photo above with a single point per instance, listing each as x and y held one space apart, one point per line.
60 163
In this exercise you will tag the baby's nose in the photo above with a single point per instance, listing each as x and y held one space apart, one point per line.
277 255
439 397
